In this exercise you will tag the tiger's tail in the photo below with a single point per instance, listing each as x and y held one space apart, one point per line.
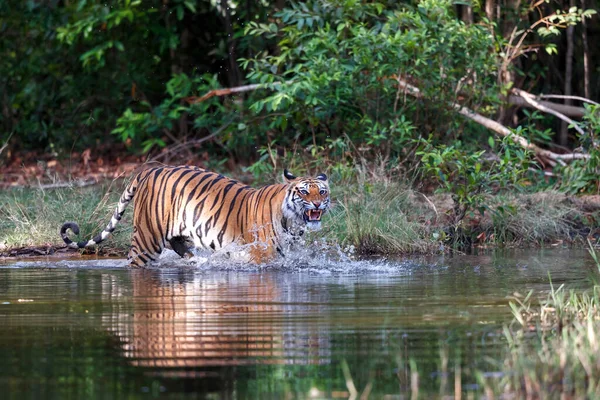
116 217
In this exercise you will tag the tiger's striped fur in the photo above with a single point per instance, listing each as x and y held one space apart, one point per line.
183 205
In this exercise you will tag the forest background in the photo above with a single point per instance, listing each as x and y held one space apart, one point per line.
467 98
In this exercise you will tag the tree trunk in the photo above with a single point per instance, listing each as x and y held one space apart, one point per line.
467 14
507 21
563 137
586 56
490 6
172 56
234 71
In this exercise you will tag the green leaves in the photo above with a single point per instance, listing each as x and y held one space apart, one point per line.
346 64
99 18
468 177
582 176
96 55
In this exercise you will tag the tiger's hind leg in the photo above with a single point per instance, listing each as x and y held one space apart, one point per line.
143 251
179 245
140 260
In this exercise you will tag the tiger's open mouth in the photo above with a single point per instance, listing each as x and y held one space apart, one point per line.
312 215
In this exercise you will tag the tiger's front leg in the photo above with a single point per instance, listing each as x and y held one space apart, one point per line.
261 253
179 245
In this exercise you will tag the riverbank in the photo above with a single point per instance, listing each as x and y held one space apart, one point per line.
373 218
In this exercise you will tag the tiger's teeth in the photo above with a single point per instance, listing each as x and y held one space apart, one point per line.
314 215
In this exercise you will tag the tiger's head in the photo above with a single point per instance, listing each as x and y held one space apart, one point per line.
307 199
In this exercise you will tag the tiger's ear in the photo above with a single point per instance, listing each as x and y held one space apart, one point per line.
287 176
322 177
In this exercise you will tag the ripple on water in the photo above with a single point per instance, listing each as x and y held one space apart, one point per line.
263 331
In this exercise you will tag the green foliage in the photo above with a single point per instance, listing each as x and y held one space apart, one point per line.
107 60
337 69
148 127
45 100
561 19
464 174
330 75
581 176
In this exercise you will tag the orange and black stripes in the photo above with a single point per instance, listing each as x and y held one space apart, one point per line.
191 207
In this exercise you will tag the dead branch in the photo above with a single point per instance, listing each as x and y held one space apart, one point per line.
192 143
562 96
224 92
58 185
530 99
5 145
500 129
547 155
569 111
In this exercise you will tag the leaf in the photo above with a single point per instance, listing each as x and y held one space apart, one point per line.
191 6
276 101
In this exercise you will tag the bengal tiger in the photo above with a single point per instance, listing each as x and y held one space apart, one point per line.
188 206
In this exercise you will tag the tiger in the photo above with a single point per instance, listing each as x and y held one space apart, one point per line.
187 207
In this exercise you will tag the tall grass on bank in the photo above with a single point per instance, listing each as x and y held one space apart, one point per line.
553 349
530 218
33 217
383 218
374 216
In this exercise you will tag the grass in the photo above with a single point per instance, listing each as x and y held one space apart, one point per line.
33 217
537 218
553 348
374 217
383 218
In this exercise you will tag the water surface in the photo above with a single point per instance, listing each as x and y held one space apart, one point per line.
311 328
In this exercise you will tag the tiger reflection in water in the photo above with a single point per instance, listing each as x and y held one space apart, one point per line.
200 322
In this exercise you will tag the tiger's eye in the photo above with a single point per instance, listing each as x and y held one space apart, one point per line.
323 192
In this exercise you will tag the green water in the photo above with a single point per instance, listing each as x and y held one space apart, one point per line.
93 329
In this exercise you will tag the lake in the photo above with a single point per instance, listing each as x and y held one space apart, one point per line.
313 327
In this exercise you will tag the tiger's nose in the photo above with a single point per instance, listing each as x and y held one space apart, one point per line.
317 203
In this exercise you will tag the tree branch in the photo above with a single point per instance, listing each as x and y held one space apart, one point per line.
529 98
176 148
224 92
570 111
488 123
561 96
499 129
5 145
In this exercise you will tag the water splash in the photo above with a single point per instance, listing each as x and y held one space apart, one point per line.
302 257
312 257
